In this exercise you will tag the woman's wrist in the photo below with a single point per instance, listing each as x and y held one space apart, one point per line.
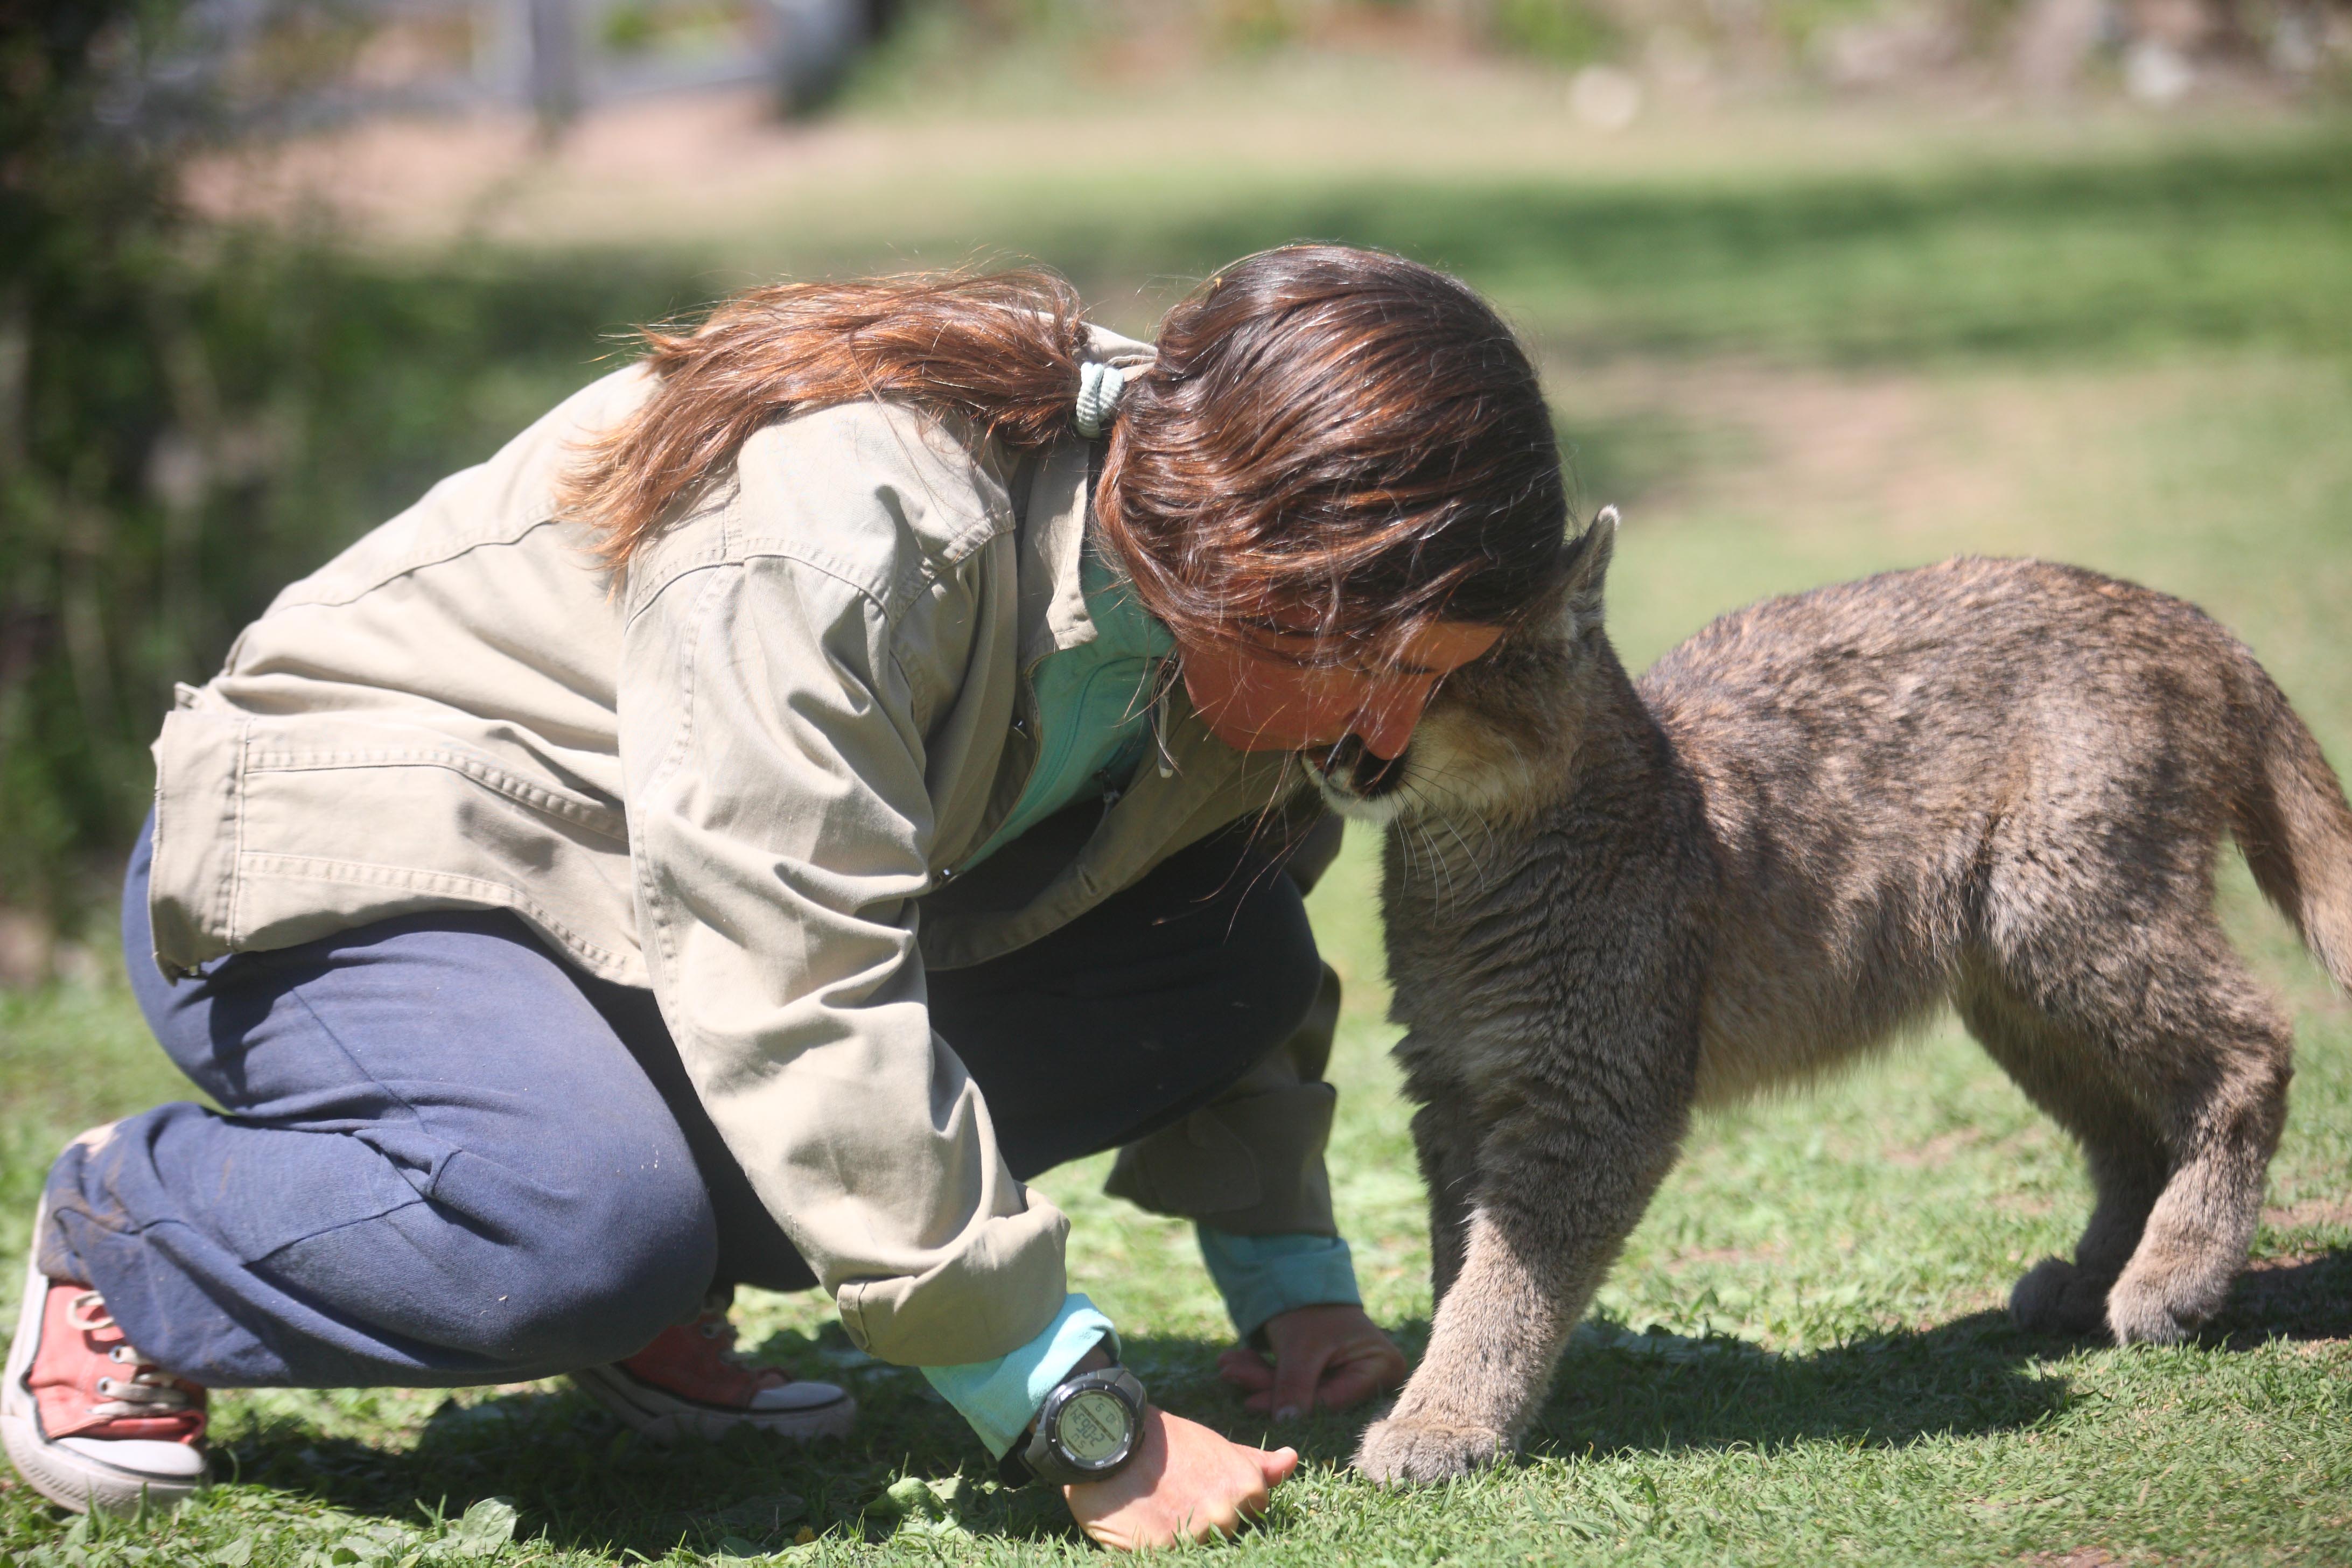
1095 1359
1263 1277
1001 1397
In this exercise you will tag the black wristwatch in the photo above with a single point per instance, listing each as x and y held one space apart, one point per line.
1087 1429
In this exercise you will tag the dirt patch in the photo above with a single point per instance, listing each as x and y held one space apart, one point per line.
1984 461
1845 441
2081 1557
1903 454
1864 444
1733 1255
1935 1154
2312 1214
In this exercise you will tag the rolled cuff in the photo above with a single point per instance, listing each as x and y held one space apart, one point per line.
1002 1280
1261 1276
1001 1397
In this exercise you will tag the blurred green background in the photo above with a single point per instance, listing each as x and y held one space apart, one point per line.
232 340
1818 289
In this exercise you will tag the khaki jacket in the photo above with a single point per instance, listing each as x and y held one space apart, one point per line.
745 775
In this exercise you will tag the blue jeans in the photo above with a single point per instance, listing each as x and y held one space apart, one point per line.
450 1158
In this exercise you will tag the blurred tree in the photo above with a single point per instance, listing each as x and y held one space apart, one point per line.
1569 32
190 417
88 335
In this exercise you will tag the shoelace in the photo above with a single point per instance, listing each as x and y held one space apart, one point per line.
148 1390
719 1329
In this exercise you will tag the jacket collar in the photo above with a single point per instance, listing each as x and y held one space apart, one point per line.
1054 524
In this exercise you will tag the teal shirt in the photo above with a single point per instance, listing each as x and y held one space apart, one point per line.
1094 704
1094 721
1259 1277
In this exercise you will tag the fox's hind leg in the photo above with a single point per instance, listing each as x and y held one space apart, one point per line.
2165 1060
2217 1056
2060 1073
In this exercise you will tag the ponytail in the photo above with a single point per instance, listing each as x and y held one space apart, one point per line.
1000 350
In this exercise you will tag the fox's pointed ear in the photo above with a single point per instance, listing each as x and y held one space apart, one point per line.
1588 570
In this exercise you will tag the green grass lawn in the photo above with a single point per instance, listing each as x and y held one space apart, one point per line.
1803 1357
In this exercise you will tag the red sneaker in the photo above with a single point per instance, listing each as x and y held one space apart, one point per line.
88 1421
688 1383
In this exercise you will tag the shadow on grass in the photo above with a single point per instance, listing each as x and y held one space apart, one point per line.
1974 1375
584 1483
2308 1297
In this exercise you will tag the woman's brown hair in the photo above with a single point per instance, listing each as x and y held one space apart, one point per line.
1331 440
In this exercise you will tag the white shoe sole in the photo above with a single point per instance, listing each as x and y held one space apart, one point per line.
665 1417
71 1477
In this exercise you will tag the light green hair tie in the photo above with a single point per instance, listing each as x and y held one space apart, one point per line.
1099 386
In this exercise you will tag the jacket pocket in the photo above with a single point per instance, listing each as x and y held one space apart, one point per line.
199 807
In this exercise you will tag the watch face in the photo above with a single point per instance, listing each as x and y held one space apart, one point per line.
1092 1427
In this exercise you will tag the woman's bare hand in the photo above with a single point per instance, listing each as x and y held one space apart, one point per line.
1185 1483
1330 1356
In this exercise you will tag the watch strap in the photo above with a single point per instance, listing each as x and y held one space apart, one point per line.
1040 1458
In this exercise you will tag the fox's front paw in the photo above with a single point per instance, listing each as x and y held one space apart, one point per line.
2156 1305
1408 1451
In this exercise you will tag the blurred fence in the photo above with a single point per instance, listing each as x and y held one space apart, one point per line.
280 62
300 61
2157 51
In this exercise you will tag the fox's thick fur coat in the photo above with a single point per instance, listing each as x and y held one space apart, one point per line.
2001 785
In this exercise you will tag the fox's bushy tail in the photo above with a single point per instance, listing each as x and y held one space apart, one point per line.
2296 829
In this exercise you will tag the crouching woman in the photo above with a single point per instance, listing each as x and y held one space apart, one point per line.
807 785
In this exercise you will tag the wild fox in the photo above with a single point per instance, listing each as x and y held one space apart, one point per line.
1997 784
